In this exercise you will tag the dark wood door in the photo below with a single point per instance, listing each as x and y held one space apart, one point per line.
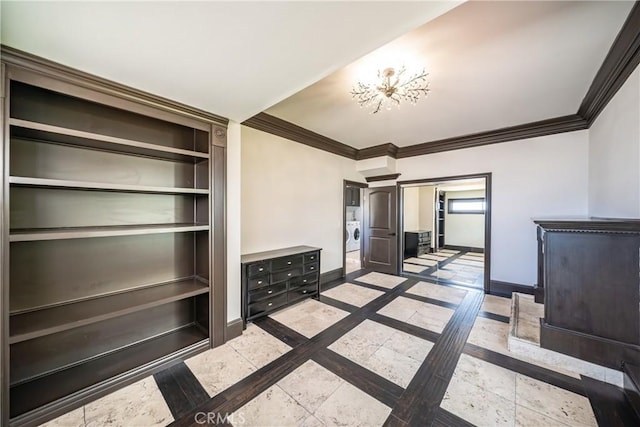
380 229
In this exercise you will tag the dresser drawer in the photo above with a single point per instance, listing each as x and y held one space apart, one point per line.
284 275
311 268
286 263
311 257
258 282
303 280
302 291
258 268
266 292
267 305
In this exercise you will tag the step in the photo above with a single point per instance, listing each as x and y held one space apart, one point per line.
524 341
632 386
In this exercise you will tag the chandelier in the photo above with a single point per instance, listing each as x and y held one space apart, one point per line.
392 87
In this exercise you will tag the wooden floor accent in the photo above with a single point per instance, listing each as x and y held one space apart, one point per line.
419 403
181 389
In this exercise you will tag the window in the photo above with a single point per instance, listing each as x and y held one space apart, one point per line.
467 206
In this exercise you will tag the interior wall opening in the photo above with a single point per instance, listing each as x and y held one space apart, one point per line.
443 226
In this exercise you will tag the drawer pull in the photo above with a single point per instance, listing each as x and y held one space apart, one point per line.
270 304
260 269
312 257
311 268
270 291
305 291
259 282
304 281
289 274
288 262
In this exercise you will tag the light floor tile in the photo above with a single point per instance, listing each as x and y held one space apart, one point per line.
421 261
478 405
409 345
431 317
497 305
310 385
272 407
439 292
449 251
554 402
255 338
219 368
380 279
309 317
353 294
139 404
351 407
443 274
312 421
393 366
74 418
401 308
412 268
487 376
525 417
361 342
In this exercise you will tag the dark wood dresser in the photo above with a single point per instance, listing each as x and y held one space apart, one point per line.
589 277
417 243
274 279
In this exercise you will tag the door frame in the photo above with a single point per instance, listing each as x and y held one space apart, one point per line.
487 218
346 183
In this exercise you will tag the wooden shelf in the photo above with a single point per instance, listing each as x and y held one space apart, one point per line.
83 185
42 390
48 133
30 235
34 324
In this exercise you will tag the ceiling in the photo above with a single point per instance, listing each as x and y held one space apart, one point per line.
233 59
491 65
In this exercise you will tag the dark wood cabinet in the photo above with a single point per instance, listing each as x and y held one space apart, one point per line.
352 196
440 215
590 279
417 243
274 279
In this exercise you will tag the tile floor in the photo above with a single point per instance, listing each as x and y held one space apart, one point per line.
385 357
449 266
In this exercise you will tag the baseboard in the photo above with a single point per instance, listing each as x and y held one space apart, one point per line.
233 329
538 292
330 276
632 386
505 289
464 248
598 350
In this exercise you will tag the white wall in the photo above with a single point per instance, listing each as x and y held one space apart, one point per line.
463 229
614 155
426 209
411 210
292 195
544 176
233 221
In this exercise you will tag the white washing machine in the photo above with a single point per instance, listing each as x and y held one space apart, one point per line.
353 236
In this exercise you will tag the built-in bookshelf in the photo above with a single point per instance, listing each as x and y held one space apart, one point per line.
109 233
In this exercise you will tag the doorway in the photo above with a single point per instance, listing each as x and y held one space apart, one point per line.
445 230
352 242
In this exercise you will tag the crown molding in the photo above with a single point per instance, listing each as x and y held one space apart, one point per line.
33 63
387 149
528 130
275 126
623 58
389 177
